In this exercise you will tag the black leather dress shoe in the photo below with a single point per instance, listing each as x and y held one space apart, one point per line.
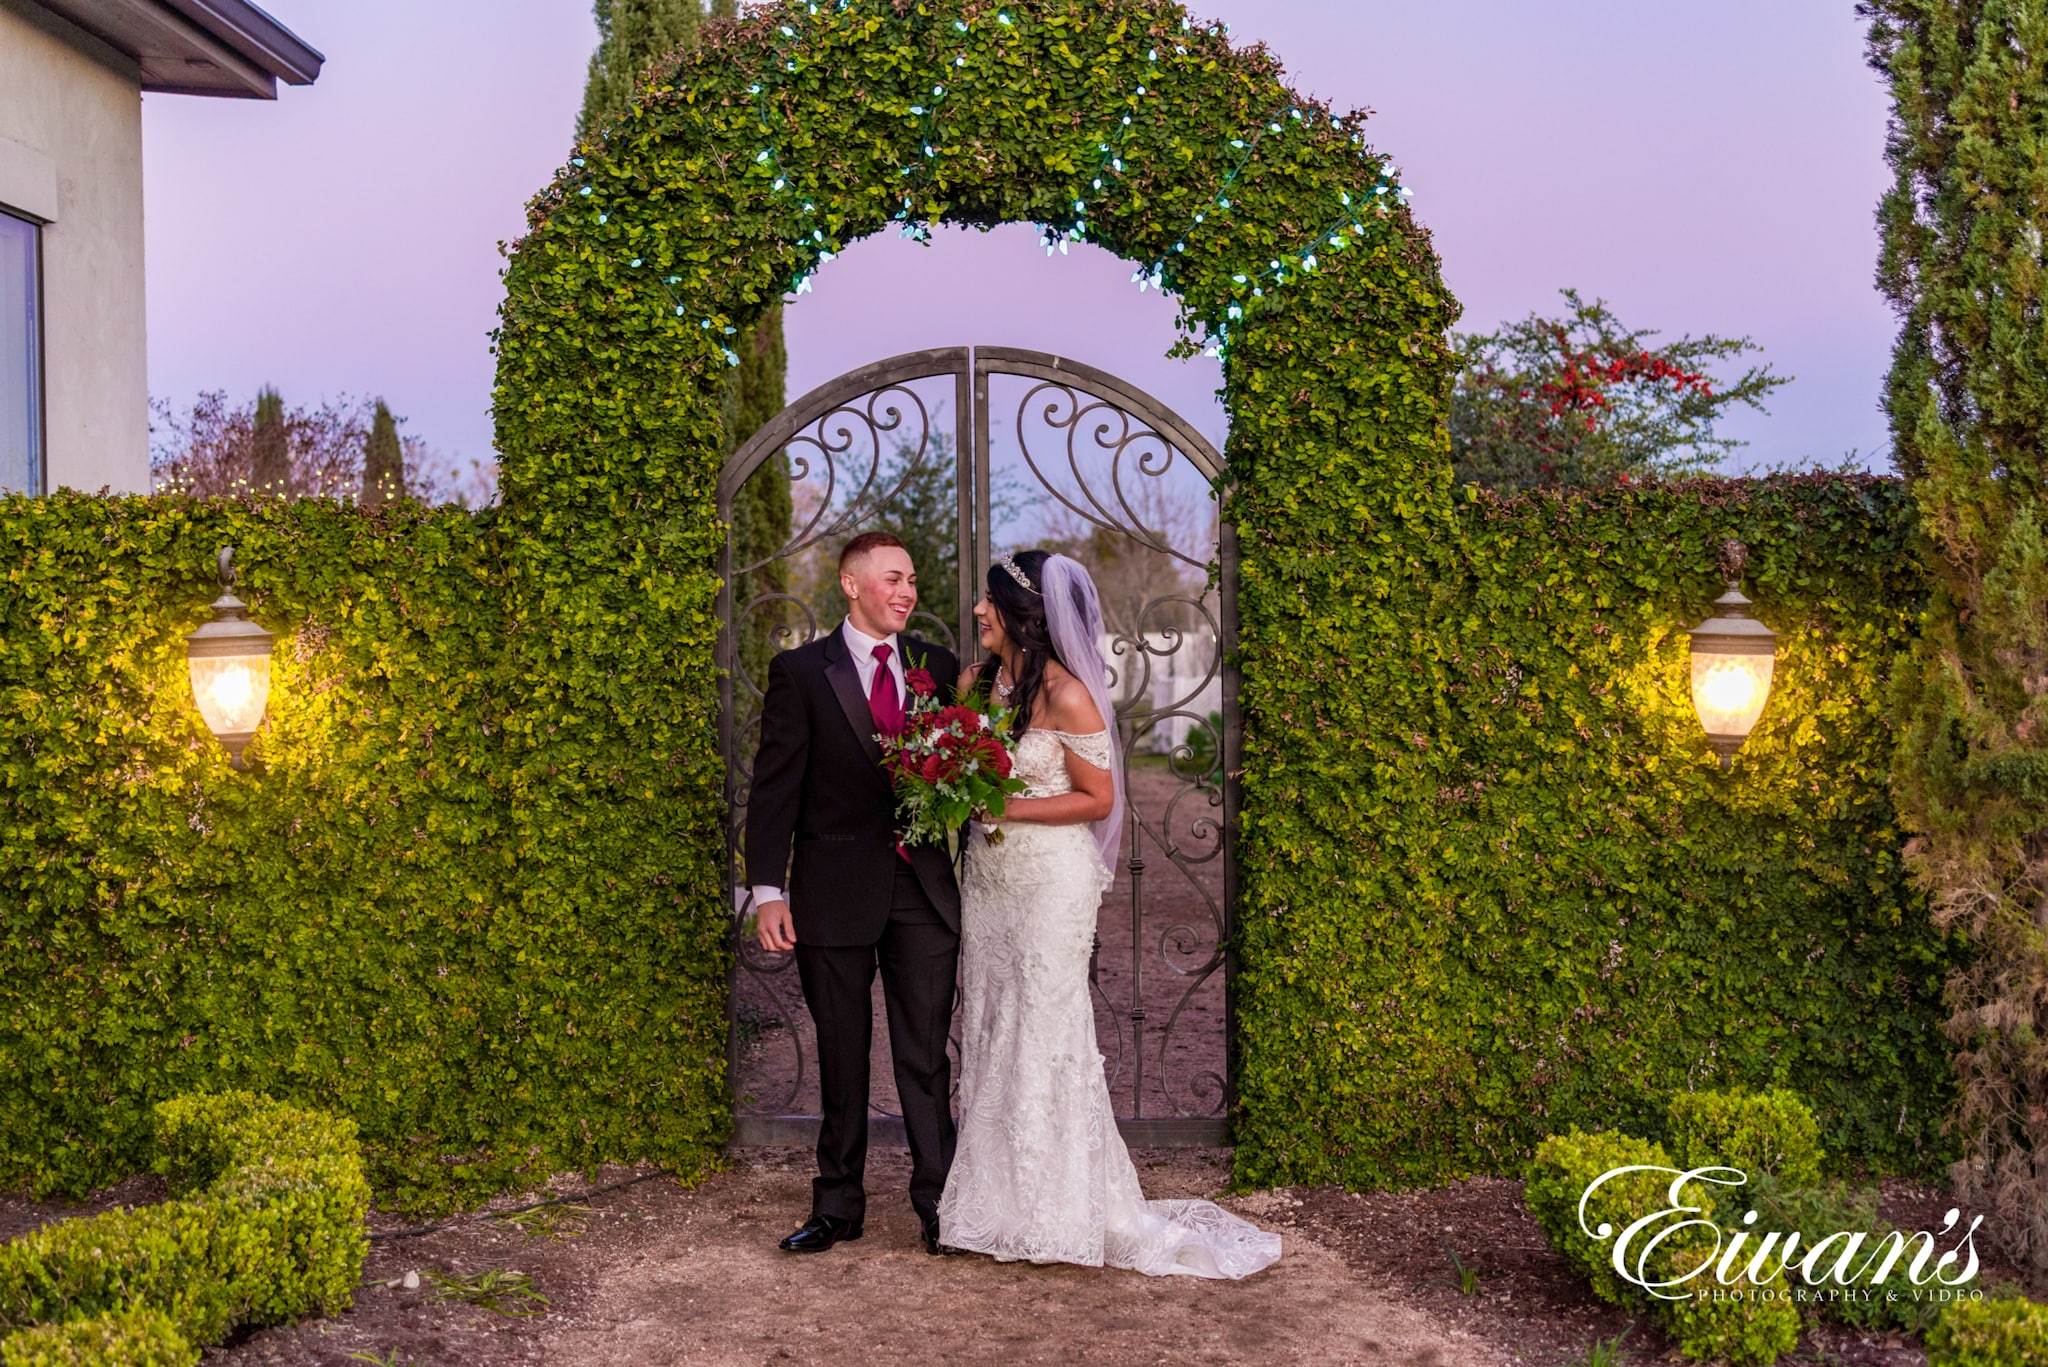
820 1232
931 1240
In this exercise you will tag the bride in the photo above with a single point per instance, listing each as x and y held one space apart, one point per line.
1041 1172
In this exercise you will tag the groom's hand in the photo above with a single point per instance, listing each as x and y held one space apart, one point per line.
774 927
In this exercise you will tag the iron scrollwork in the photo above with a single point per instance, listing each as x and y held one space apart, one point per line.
1167 653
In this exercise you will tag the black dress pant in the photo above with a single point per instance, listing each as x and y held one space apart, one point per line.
918 955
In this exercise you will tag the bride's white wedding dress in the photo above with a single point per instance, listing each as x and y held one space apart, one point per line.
1040 1172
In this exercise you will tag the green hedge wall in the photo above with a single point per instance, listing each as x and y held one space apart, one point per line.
399 916
473 898
1499 887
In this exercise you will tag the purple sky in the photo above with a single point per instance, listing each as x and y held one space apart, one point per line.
1703 168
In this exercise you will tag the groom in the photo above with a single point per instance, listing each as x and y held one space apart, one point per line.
857 898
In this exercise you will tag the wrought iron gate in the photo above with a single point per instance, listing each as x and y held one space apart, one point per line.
1039 448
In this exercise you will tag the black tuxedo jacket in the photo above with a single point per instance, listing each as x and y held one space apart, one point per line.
822 806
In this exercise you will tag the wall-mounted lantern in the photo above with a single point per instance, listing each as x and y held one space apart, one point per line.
229 660
1732 659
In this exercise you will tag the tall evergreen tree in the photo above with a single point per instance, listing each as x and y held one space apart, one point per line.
270 465
1967 399
631 35
383 460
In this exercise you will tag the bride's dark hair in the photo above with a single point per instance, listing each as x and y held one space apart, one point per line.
1022 613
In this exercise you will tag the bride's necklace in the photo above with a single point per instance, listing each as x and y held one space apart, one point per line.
1003 690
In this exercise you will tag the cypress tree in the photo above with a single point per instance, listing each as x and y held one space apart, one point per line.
631 35
1967 400
270 456
383 460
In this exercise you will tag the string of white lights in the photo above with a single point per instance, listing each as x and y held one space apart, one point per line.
1159 274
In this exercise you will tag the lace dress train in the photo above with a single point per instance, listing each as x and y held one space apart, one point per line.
1040 1172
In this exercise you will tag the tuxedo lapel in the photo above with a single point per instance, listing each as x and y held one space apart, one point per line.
845 681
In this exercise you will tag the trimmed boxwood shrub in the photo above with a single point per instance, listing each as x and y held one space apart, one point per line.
1738 1330
268 1225
1765 1134
1990 1333
134 1338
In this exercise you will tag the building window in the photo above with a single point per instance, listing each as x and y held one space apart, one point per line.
21 359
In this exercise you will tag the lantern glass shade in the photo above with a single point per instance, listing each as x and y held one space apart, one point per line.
231 691
1729 691
229 661
1733 657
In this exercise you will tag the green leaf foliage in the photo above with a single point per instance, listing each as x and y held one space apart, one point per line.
447 903
2007 1332
1740 1327
1967 398
1579 399
1495 884
1816 1212
1765 1134
270 1227
610 384
134 1338
474 897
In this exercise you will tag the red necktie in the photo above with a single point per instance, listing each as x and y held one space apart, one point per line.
883 703
886 708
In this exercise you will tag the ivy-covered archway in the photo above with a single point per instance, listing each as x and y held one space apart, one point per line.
1125 123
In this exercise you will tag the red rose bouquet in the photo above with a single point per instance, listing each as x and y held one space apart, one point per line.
950 764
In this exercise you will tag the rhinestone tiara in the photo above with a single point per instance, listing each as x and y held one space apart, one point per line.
1016 573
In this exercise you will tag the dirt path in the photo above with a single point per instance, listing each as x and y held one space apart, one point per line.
659 1275
666 1276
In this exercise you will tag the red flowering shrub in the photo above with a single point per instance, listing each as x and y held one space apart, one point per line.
1583 400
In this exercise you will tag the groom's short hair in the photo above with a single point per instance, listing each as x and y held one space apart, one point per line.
865 542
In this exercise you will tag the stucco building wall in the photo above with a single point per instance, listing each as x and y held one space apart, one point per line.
71 119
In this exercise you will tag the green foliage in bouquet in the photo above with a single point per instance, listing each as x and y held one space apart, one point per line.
950 765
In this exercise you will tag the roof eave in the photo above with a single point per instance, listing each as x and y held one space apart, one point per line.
192 47
257 37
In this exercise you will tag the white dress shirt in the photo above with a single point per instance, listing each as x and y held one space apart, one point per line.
862 647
